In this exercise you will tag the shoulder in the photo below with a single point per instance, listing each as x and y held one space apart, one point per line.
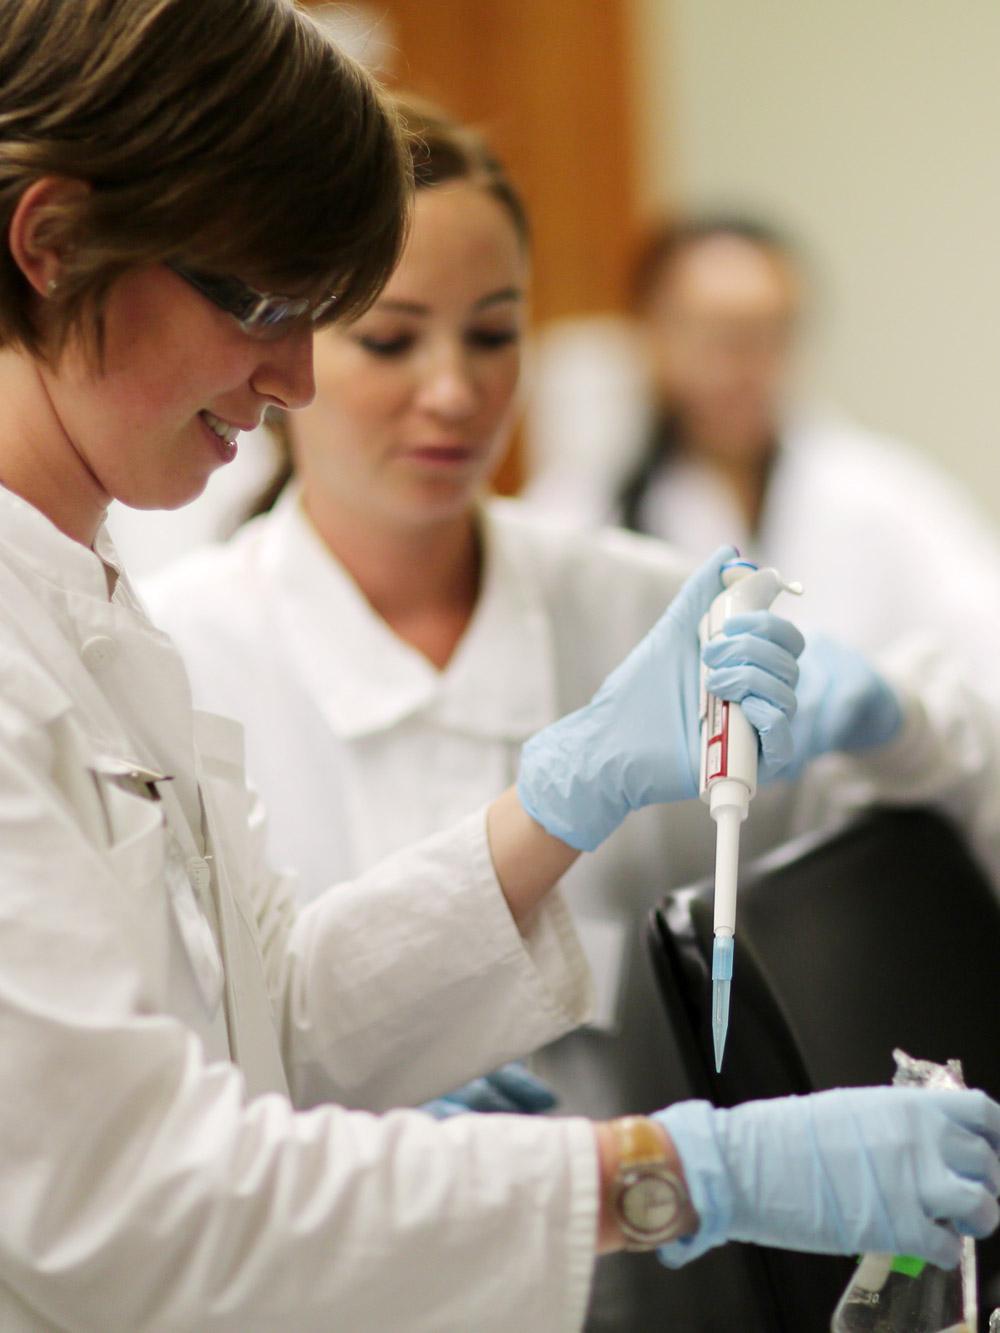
31 693
30 697
872 466
605 576
882 480
558 548
32 705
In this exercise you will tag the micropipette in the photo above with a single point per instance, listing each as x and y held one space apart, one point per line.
729 773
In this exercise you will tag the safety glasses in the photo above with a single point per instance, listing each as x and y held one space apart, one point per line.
260 314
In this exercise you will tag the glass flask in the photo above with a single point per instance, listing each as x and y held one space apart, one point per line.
893 1294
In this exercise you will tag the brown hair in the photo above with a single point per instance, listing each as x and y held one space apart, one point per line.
230 135
441 151
444 150
670 241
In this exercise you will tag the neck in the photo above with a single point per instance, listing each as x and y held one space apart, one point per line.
38 461
422 579
744 478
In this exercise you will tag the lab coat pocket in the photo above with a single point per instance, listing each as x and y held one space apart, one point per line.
136 847
133 820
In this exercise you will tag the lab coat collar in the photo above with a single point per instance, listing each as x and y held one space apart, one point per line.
35 542
500 682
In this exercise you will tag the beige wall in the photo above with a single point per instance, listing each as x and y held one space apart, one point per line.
873 131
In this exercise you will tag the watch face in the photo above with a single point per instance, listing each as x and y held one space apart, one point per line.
649 1203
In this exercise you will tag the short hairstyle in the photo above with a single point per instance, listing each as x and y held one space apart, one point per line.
670 240
229 135
444 150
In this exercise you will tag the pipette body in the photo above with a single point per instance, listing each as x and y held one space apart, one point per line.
729 774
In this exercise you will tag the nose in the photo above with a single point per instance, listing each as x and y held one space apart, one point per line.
284 374
448 388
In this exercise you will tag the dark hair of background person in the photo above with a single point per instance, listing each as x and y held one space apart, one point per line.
442 151
663 247
227 135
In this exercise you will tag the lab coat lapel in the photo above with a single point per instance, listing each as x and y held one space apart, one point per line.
499 684
253 1041
362 677
253 1034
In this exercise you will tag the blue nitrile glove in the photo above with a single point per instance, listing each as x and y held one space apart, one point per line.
510 1088
636 742
844 704
891 1170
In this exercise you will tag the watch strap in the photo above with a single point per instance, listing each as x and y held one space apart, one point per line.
640 1141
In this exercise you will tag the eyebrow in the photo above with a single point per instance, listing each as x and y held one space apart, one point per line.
484 302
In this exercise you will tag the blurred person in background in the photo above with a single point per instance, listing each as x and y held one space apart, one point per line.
695 431
390 639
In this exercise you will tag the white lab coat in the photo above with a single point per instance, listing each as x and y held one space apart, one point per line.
884 541
161 996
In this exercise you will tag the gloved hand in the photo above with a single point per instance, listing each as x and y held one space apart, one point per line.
843 702
890 1170
636 742
510 1088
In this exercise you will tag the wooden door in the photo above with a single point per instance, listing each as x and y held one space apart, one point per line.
549 82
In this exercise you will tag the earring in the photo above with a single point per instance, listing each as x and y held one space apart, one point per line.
51 287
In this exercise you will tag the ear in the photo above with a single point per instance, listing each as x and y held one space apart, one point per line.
34 255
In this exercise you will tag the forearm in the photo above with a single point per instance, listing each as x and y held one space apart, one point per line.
528 861
247 1216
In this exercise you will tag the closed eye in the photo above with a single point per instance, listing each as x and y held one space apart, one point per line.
387 347
492 339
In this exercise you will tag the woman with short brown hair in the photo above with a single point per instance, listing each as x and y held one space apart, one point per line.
188 189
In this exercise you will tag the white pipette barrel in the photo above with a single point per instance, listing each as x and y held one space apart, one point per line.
729 774
729 804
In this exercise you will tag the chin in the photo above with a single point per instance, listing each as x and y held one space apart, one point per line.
172 493
442 509
435 501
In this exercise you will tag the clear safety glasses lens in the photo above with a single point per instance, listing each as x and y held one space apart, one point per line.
260 314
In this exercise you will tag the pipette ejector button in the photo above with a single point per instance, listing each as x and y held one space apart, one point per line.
734 570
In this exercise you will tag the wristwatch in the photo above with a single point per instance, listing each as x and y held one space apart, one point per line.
650 1198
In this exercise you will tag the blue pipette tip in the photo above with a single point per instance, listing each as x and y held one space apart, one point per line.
722 979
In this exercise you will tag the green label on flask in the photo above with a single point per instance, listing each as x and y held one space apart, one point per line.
906 1264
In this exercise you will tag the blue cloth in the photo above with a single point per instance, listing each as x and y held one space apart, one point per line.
891 1170
637 741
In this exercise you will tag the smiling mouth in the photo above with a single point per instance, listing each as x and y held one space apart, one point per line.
225 430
